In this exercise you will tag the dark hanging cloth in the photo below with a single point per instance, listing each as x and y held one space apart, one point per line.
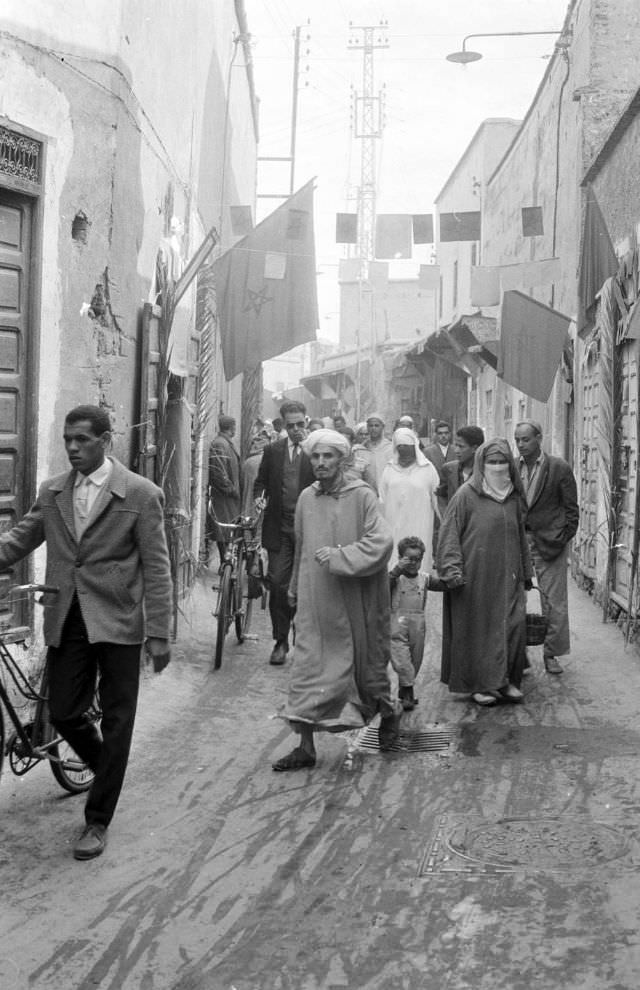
598 261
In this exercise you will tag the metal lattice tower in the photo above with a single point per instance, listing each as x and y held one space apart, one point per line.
368 128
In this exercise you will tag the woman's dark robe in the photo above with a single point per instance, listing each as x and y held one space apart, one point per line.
483 542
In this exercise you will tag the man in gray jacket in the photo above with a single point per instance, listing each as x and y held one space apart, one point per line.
551 523
106 551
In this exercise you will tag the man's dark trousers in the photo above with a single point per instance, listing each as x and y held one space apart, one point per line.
279 575
73 667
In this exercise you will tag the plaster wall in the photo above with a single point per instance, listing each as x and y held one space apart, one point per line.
464 192
577 101
130 98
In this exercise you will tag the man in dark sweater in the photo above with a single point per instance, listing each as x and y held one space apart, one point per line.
284 471
551 524
455 473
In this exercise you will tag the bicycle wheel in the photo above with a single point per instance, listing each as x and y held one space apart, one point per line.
1 739
72 773
223 614
243 605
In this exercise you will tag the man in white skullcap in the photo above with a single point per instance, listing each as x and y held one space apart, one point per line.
340 590
380 446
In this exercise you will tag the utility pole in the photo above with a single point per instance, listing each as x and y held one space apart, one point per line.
368 126
291 157
368 129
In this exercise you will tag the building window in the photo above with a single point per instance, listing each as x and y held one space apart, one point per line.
508 411
522 409
488 399
455 284
20 156
474 254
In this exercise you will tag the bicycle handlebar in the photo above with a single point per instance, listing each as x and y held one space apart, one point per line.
32 589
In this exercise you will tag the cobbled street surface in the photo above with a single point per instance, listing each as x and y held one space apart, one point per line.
507 860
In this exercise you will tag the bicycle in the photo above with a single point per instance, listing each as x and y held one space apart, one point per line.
241 581
33 741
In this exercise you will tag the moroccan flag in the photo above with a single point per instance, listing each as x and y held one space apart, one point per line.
266 287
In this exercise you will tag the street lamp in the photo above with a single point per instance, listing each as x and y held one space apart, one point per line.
464 56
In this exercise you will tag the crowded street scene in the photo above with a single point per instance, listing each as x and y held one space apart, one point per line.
320 507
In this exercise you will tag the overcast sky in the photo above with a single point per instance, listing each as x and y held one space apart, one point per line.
432 107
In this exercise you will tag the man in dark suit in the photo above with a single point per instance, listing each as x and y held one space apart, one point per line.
107 553
284 471
455 473
551 524
441 450
224 481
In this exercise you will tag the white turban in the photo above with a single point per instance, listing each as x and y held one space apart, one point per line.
331 438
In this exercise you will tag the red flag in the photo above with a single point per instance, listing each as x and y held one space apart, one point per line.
266 287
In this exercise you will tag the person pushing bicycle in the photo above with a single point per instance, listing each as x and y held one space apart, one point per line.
106 551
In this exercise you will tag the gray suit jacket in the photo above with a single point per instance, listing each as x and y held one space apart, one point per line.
119 568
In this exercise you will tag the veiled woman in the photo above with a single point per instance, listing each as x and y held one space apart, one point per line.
483 558
407 492
340 589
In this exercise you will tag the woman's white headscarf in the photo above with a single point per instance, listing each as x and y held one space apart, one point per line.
407 438
331 438
479 479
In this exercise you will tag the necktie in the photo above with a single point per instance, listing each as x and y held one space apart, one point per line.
82 499
295 452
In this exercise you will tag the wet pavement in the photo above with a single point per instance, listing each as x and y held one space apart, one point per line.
499 849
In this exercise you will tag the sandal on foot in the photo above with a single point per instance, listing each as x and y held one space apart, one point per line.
486 700
512 693
297 759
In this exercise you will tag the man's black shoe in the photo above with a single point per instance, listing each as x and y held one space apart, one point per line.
91 843
278 654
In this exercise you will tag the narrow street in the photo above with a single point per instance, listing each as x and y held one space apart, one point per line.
372 871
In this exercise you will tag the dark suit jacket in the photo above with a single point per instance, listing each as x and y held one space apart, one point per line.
269 481
119 568
451 479
225 483
552 517
434 454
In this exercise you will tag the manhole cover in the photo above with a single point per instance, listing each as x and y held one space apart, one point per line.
431 740
511 844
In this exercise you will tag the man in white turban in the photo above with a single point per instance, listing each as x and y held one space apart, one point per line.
340 590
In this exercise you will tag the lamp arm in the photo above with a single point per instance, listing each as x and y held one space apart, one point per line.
503 34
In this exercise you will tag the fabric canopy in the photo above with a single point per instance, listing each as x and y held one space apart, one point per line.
532 337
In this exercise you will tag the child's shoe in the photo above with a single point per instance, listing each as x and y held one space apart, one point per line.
407 699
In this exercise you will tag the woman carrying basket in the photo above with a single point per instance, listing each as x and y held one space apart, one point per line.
483 558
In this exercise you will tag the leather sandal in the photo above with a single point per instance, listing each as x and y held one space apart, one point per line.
297 759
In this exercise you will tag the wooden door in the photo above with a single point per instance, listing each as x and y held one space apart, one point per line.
16 214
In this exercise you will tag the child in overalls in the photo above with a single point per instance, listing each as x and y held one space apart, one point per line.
408 598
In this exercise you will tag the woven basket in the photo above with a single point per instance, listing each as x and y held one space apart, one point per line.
536 629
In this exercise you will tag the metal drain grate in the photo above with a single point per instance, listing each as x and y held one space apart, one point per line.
575 845
435 740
